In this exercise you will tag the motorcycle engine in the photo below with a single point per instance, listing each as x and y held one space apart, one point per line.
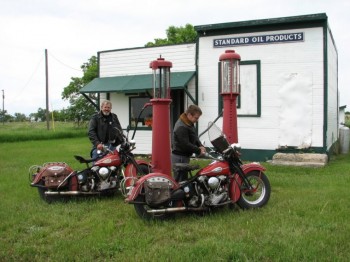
103 172
216 191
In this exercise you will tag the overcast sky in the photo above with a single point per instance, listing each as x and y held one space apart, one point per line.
74 30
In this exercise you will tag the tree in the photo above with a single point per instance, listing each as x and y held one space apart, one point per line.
176 35
19 117
5 117
80 110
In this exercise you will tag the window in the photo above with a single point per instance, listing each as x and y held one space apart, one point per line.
136 105
248 101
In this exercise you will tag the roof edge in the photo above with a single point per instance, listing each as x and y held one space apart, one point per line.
263 22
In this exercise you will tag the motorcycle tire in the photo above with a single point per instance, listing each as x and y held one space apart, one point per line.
260 194
141 210
145 169
43 196
50 199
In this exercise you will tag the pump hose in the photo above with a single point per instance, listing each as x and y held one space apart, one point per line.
216 119
138 118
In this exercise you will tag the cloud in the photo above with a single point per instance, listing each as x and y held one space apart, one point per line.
73 31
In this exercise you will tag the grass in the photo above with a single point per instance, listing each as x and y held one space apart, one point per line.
306 219
29 131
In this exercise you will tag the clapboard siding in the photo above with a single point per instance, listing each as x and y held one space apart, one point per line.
136 61
279 64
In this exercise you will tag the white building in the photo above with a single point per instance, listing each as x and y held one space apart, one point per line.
289 83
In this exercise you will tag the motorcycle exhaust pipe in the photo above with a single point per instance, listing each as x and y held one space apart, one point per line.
69 193
175 209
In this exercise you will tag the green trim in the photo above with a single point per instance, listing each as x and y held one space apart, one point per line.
312 20
134 83
325 84
239 100
265 155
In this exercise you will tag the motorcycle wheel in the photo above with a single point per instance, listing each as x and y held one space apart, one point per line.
42 195
260 194
141 210
145 169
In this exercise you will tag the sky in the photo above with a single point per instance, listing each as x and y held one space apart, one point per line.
72 31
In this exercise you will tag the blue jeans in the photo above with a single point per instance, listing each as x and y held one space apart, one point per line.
94 150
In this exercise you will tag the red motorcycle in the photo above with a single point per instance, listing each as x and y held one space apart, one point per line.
111 171
225 181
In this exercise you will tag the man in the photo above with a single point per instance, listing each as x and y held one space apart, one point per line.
185 140
104 128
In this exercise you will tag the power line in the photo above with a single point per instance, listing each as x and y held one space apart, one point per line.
63 63
31 77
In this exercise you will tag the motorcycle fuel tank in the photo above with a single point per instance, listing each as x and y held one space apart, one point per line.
111 159
215 168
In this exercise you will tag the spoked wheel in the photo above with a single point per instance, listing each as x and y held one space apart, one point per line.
141 210
259 195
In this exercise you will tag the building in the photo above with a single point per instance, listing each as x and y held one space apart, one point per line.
289 83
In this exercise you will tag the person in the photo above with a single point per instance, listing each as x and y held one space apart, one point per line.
103 129
185 140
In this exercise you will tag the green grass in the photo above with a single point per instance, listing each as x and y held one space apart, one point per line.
306 219
29 131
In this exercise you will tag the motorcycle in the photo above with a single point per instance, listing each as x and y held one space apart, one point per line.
111 171
224 182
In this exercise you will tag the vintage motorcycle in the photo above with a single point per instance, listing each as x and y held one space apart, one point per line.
224 182
111 171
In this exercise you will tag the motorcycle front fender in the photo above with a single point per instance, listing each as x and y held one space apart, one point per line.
136 190
236 182
252 167
130 172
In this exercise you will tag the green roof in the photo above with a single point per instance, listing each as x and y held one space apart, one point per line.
134 83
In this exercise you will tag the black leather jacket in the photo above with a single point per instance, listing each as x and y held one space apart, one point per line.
185 139
102 129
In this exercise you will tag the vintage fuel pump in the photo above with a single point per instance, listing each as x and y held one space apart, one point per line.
230 89
161 150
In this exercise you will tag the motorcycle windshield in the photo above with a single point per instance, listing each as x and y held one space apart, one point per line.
217 138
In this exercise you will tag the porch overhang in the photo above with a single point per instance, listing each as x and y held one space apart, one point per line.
134 83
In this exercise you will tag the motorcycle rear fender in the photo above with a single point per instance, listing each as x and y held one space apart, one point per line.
139 185
41 174
236 182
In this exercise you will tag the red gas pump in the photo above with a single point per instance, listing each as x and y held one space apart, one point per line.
230 88
161 150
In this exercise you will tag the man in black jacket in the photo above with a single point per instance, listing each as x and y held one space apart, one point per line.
104 128
185 140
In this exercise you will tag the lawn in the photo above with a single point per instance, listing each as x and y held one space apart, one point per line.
306 219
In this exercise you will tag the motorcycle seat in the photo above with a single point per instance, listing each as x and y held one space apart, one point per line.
83 160
185 167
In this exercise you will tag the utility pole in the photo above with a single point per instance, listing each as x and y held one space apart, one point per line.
47 91
3 106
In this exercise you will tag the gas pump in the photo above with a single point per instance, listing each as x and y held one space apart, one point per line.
161 150
230 89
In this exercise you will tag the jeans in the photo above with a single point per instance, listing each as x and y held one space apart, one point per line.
94 150
179 175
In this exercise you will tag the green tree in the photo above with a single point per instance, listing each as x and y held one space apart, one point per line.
5 117
80 110
19 117
176 35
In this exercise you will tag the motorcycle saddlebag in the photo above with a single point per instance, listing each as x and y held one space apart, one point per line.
157 190
54 174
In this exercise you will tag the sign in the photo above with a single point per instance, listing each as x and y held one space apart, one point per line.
259 39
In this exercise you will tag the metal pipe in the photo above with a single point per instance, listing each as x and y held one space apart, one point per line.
175 209
70 193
